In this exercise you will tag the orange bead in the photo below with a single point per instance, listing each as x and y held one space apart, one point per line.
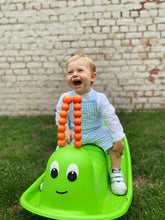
61 143
61 136
77 136
77 129
77 99
65 107
61 128
63 114
62 121
77 114
67 99
77 106
77 121
78 144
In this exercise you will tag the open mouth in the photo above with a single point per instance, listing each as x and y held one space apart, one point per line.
77 83
61 192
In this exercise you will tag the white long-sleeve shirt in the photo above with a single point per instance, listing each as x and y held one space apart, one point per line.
95 109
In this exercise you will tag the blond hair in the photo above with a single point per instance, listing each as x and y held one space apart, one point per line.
87 59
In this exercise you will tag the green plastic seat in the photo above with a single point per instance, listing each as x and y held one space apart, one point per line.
76 186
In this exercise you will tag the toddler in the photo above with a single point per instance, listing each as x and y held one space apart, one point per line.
81 73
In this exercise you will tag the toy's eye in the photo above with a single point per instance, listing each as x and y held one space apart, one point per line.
54 169
72 172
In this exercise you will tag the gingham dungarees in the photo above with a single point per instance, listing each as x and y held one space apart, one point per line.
93 131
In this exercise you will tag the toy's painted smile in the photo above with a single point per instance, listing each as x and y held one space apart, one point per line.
61 192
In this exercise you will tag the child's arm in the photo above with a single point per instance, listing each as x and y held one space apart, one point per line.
109 116
68 135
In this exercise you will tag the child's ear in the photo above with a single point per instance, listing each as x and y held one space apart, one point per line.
94 75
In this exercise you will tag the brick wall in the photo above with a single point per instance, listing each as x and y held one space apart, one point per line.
126 39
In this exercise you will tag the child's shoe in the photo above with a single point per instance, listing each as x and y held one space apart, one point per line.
118 185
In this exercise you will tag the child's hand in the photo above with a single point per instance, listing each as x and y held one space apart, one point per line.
118 148
68 135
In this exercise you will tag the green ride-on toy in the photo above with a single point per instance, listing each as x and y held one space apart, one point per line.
76 185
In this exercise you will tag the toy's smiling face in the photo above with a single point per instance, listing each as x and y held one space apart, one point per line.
71 173
69 179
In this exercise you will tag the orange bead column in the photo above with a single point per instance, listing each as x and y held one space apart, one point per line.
77 99
62 121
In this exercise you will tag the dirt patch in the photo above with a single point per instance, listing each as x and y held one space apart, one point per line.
49 152
15 208
137 182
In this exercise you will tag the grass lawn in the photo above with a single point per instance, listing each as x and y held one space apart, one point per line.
27 142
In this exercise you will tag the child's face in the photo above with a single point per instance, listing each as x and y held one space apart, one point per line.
80 76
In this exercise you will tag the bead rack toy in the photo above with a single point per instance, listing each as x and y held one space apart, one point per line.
67 100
